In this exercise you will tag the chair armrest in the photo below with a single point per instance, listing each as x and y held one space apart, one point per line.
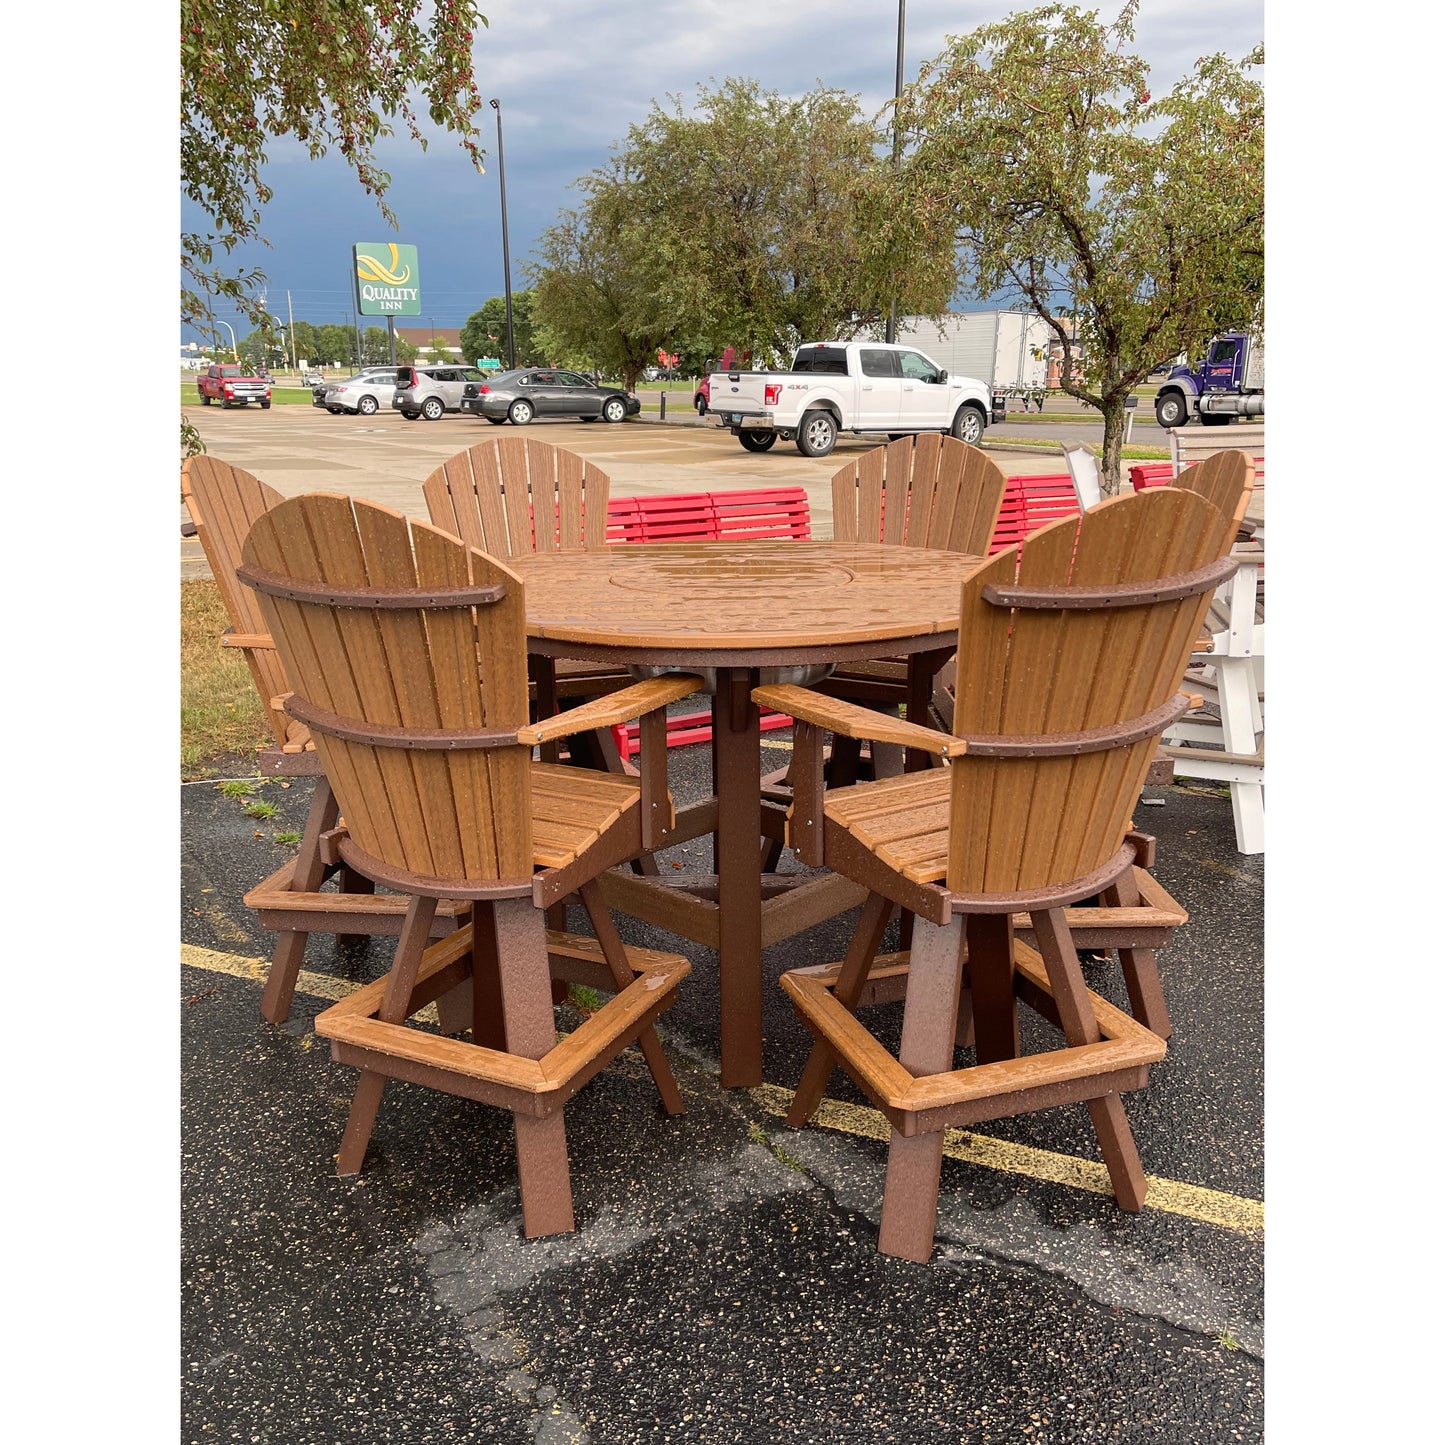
616 707
248 640
846 718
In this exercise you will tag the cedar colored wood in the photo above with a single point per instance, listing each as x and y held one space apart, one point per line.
930 491
701 601
999 833
926 491
739 607
224 502
419 710
492 495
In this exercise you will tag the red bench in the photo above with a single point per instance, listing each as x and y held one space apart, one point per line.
1151 474
738 516
1030 503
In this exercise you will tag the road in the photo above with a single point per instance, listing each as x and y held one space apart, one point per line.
300 449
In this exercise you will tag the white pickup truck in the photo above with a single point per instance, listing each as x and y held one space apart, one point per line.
852 386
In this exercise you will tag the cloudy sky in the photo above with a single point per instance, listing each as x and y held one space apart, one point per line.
571 79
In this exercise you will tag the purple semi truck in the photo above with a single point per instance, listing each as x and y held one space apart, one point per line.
1228 383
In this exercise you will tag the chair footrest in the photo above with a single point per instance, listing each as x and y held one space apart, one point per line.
1118 1062
281 909
536 1087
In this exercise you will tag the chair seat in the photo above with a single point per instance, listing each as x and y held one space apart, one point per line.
573 807
903 821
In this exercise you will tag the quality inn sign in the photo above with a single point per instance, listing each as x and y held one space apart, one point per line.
388 280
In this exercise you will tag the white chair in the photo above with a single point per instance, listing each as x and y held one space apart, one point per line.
1083 468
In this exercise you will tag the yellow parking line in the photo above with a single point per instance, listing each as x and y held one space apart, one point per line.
317 985
1209 1206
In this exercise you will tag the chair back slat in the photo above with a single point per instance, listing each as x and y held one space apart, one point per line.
224 501
1034 822
1225 481
923 491
928 455
460 812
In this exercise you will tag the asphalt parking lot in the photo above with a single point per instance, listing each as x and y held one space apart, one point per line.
723 1283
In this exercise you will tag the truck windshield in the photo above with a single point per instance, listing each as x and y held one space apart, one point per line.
832 360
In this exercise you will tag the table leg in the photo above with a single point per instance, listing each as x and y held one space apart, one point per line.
740 898
923 667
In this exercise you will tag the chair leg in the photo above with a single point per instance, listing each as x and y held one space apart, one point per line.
1141 972
930 1013
849 988
489 1029
1076 1014
991 974
526 993
351 881
415 932
616 956
307 877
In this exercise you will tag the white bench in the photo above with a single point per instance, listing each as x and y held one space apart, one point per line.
1231 675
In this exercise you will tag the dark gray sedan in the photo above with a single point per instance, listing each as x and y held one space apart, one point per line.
543 391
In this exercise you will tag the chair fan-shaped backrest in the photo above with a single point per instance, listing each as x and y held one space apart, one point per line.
224 502
1225 481
389 634
512 495
926 491
1038 670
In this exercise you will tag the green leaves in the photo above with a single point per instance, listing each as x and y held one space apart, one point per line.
323 71
1038 163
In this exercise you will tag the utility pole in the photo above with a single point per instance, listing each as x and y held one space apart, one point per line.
506 254
890 333
291 330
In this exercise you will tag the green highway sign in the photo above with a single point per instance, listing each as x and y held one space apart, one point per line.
488 363
388 279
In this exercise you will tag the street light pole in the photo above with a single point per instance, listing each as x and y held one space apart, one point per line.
890 333
235 355
506 253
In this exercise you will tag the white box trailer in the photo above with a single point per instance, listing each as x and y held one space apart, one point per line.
1006 350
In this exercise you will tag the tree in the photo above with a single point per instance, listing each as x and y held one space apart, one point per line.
747 211
1038 165
597 305
485 332
333 74
732 225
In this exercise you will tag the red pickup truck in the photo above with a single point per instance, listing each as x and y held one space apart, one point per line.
226 385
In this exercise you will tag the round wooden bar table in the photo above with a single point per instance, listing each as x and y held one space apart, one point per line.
738 610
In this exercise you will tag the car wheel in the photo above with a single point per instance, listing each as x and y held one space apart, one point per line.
614 409
817 434
519 413
367 406
1170 410
412 415
432 408
757 441
700 402
334 410
968 425
265 406
497 420
205 400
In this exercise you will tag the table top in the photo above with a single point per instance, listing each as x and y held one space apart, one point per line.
771 601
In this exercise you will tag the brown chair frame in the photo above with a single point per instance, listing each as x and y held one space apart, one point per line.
1070 652
407 649
224 502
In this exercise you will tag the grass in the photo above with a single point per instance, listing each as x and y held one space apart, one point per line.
281 395
221 713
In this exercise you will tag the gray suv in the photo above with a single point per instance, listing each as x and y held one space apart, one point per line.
430 391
